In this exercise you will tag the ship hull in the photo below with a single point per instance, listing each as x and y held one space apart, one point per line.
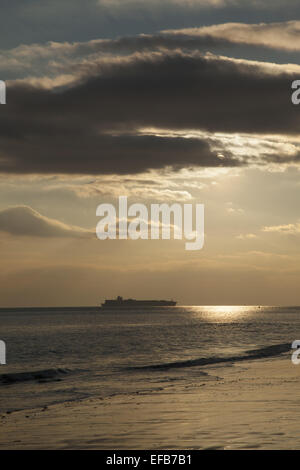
112 305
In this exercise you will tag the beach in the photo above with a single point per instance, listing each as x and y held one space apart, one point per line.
249 405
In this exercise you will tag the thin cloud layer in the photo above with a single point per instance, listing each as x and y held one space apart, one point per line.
279 35
25 221
287 229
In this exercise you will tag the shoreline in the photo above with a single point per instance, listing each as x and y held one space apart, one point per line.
252 405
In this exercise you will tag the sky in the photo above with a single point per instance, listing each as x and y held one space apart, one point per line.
180 101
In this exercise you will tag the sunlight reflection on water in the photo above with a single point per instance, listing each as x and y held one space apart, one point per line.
222 313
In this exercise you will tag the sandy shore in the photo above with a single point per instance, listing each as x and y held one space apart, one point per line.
253 405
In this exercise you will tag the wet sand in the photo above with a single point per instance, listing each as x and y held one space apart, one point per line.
252 405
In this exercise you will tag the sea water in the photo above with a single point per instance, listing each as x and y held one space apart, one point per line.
63 354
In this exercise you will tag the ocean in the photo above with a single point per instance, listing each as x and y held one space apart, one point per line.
61 355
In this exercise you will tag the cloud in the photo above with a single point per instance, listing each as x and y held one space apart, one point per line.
246 236
25 221
94 126
134 189
58 63
279 35
288 229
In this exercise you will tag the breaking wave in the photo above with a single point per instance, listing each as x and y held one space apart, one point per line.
38 375
268 351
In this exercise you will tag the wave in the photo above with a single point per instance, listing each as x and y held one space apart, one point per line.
37 375
268 351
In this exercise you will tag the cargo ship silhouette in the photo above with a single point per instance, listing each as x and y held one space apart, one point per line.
119 302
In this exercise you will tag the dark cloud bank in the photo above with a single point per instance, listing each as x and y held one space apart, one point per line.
91 127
